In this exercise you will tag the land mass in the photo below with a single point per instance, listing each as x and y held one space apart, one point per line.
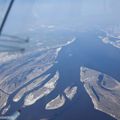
23 78
111 37
103 90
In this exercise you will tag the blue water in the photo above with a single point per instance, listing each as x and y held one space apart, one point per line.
88 50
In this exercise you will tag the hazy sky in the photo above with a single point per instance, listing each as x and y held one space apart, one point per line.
30 13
